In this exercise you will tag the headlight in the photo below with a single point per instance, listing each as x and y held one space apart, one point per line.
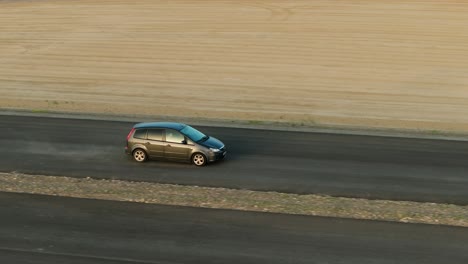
214 149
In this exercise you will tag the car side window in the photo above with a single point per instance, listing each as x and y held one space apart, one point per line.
174 136
140 133
155 134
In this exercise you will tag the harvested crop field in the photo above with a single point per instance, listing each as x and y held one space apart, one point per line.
388 64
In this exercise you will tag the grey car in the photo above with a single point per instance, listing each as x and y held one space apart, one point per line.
173 141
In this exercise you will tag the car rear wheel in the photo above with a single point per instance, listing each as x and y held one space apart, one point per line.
139 155
199 159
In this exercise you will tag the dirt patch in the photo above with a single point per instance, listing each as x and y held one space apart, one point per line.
221 198
386 64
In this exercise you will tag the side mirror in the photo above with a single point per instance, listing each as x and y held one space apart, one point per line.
184 141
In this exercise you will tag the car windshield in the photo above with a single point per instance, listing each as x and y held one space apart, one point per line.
193 134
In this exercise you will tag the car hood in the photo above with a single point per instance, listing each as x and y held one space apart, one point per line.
212 142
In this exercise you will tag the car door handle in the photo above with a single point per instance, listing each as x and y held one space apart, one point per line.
168 145
148 143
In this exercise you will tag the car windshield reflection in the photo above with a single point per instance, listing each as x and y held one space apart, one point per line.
193 134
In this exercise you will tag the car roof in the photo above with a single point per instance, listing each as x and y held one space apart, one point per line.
171 125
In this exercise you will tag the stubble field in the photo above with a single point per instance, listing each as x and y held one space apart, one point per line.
387 64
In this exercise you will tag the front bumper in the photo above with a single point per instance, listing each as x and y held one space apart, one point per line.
215 156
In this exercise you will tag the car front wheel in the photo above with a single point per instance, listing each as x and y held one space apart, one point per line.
199 159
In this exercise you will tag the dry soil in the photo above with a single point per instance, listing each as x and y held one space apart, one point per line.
387 64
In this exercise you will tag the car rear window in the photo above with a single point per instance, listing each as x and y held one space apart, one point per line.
155 134
140 133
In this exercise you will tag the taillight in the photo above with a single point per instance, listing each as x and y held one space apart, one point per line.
129 134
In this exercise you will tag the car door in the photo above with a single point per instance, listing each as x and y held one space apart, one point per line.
176 147
155 143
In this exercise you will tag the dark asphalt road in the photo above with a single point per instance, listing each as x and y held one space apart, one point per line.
338 165
47 229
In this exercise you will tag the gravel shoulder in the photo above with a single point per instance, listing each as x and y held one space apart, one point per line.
221 198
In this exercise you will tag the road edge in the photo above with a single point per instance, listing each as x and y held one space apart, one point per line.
245 124
240 200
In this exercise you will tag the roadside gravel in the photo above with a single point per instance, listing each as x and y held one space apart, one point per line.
221 198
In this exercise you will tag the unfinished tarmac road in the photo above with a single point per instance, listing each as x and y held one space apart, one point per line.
46 229
296 162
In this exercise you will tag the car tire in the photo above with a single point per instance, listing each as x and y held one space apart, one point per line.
198 159
139 155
